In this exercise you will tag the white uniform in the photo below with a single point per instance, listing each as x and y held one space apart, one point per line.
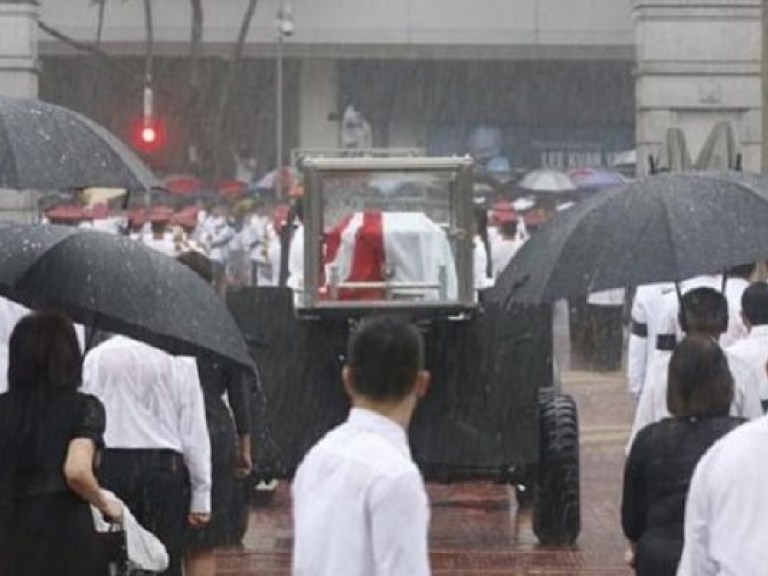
480 262
652 406
726 512
164 245
734 290
259 238
648 309
753 349
502 251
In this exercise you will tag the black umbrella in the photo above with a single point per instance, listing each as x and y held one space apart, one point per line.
119 285
667 227
48 147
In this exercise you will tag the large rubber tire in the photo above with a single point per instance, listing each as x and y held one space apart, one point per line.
557 505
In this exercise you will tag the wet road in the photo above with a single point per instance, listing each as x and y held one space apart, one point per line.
476 528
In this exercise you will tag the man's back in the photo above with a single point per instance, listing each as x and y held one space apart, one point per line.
143 390
753 349
726 515
360 508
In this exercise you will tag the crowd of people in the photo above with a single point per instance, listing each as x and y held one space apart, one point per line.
168 436
698 370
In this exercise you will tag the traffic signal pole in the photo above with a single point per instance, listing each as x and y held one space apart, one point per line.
764 81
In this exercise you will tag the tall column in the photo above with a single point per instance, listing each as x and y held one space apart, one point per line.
18 48
698 62
18 77
318 100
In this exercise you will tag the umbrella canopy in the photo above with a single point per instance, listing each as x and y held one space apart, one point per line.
663 228
596 178
119 285
547 181
47 147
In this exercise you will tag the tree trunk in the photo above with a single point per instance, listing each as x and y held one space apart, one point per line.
222 154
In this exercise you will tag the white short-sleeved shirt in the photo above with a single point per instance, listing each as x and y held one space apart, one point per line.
726 512
753 349
359 503
153 401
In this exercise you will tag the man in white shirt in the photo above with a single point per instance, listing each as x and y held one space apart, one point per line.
704 312
647 313
359 503
726 511
507 245
158 454
217 236
753 348
737 280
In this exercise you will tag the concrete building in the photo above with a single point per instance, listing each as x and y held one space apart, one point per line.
549 80
698 62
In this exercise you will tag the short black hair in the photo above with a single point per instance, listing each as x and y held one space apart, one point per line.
704 310
43 353
754 303
384 357
699 382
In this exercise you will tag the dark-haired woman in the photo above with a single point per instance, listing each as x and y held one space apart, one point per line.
49 436
664 454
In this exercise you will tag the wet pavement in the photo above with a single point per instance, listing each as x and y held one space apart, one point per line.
477 529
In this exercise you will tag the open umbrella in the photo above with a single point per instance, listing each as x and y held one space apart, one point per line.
48 147
547 181
596 178
118 285
663 228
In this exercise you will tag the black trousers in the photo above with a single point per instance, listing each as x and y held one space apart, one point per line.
154 484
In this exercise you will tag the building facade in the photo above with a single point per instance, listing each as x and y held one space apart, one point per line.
548 81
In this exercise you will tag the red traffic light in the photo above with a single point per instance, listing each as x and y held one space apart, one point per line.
148 135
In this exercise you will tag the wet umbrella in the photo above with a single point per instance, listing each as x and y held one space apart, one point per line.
547 181
118 285
663 228
596 178
48 147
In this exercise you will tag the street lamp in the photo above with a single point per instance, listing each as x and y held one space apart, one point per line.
285 28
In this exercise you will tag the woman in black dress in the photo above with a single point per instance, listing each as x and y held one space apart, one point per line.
664 454
229 430
49 435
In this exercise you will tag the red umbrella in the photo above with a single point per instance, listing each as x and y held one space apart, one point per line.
184 185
